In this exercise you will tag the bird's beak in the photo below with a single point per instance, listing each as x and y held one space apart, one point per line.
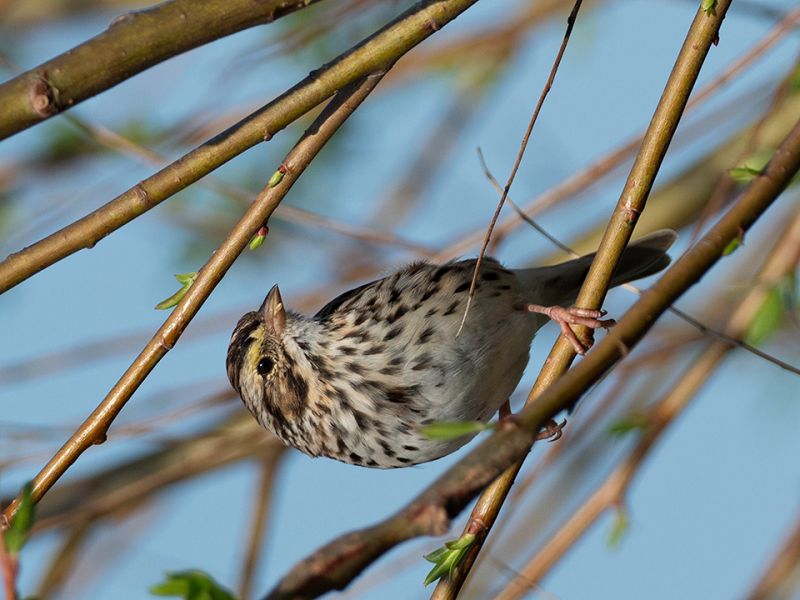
273 311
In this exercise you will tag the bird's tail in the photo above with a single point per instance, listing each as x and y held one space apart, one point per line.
559 284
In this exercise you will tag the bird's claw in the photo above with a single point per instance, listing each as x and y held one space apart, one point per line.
552 431
574 316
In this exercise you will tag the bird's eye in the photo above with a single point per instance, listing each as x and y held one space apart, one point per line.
265 366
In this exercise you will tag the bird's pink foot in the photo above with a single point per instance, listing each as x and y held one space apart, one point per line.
574 316
552 431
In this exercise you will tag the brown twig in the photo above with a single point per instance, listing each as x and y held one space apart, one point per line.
701 36
338 562
783 259
94 428
63 563
523 145
374 54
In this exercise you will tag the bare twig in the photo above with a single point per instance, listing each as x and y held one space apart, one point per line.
93 430
588 176
701 35
523 145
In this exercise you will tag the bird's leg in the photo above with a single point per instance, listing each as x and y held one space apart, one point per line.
573 316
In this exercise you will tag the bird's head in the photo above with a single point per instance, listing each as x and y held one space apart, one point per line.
263 367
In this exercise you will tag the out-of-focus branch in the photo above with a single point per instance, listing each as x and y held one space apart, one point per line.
63 562
292 214
338 562
376 53
94 428
701 36
783 259
258 522
783 573
132 43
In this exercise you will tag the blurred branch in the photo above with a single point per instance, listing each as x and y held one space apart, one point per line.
292 214
376 53
783 573
132 43
702 33
62 565
115 488
257 526
94 428
339 561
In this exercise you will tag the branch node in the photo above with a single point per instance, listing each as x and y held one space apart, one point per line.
143 197
43 97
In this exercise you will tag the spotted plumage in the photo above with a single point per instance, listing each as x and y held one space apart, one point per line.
356 381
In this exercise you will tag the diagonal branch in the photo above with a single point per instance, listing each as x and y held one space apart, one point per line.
782 259
132 43
93 429
376 53
701 36
337 563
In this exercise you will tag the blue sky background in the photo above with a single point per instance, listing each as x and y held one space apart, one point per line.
714 500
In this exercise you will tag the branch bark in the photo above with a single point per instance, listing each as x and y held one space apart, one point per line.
132 43
338 562
703 31
376 53
93 429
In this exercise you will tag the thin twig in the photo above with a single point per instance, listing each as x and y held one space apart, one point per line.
605 164
523 145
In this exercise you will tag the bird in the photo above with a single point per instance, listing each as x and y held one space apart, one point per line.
361 379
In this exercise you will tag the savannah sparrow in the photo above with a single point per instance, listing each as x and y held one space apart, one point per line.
356 381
